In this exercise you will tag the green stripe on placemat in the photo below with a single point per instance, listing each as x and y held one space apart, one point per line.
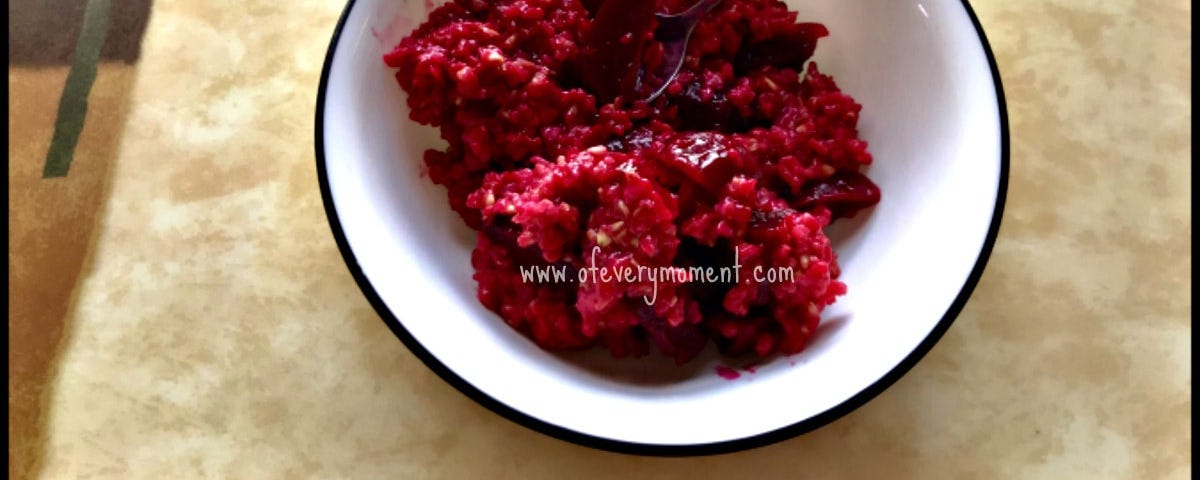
72 107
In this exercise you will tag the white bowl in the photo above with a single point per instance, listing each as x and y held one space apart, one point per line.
935 119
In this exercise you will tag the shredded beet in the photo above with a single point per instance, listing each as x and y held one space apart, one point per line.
746 158
844 194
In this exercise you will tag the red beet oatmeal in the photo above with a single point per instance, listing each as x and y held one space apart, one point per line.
558 162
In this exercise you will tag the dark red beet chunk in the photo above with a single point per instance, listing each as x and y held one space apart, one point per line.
592 6
727 373
612 51
705 158
682 342
697 114
844 194
789 49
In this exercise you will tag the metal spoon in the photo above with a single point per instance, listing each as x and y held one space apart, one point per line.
674 31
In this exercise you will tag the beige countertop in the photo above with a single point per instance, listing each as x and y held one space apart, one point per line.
180 310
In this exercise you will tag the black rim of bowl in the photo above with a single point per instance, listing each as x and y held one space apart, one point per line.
729 446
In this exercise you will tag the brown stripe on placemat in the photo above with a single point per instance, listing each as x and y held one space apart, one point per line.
52 225
52 222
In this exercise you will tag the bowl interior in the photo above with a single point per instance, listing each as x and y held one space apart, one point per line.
931 117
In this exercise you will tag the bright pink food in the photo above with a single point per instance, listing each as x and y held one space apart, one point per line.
558 164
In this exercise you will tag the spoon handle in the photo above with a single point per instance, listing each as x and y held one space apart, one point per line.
699 9
676 31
